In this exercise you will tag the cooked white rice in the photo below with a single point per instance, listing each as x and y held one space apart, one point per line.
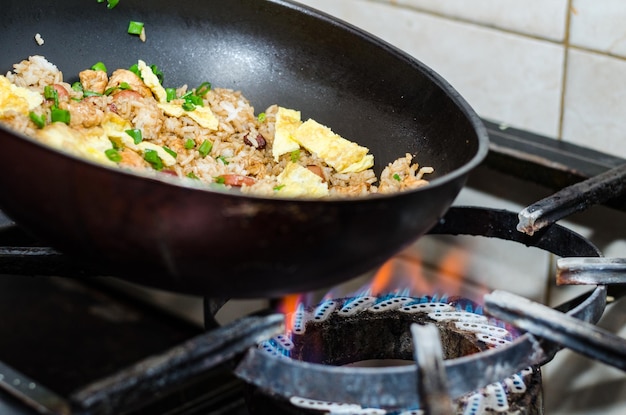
241 153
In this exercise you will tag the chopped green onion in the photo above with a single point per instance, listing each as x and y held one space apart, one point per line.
261 117
112 3
136 135
124 86
220 180
157 72
189 106
277 188
77 86
113 155
295 155
191 101
170 93
205 148
49 92
59 115
170 151
397 177
135 28
39 120
189 144
203 89
93 93
100 1
99 66
223 160
135 69
192 175
152 157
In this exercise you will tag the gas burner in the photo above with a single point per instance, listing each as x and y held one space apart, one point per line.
479 365
376 328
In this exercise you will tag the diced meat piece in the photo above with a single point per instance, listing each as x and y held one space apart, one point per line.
85 113
135 82
95 81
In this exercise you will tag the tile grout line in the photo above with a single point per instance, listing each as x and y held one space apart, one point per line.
566 49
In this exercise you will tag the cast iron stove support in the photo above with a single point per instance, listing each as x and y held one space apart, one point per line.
431 372
140 383
590 271
567 331
572 199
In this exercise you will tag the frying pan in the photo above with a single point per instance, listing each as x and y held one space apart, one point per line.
152 230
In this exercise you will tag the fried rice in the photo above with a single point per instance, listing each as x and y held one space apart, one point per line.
235 152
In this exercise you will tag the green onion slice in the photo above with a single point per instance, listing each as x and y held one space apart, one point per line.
113 155
205 148
39 120
134 27
192 175
59 115
99 66
152 157
112 3
136 135
261 117
170 94
170 151
189 143
223 160
220 180
157 72
189 106
295 155
94 93
203 89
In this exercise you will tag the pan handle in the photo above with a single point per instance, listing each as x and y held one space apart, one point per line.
572 199
159 374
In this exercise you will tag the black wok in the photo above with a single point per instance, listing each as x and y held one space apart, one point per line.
218 243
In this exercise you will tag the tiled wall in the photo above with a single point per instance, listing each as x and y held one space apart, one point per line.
554 67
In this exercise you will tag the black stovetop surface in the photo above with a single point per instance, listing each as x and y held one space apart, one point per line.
63 333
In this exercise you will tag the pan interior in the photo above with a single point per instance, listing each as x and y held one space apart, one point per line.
275 52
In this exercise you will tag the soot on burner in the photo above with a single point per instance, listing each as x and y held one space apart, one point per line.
368 329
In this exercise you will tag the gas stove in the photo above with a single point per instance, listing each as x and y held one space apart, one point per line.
77 343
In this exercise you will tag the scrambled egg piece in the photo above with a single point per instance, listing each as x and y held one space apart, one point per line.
297 181
16 98
287 122
90 145
202 115
152 81
341 154
115 129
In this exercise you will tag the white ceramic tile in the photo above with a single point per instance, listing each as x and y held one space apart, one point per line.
599 25
542 18
595 102
504 77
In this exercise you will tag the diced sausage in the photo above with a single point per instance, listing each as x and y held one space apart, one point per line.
237 180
